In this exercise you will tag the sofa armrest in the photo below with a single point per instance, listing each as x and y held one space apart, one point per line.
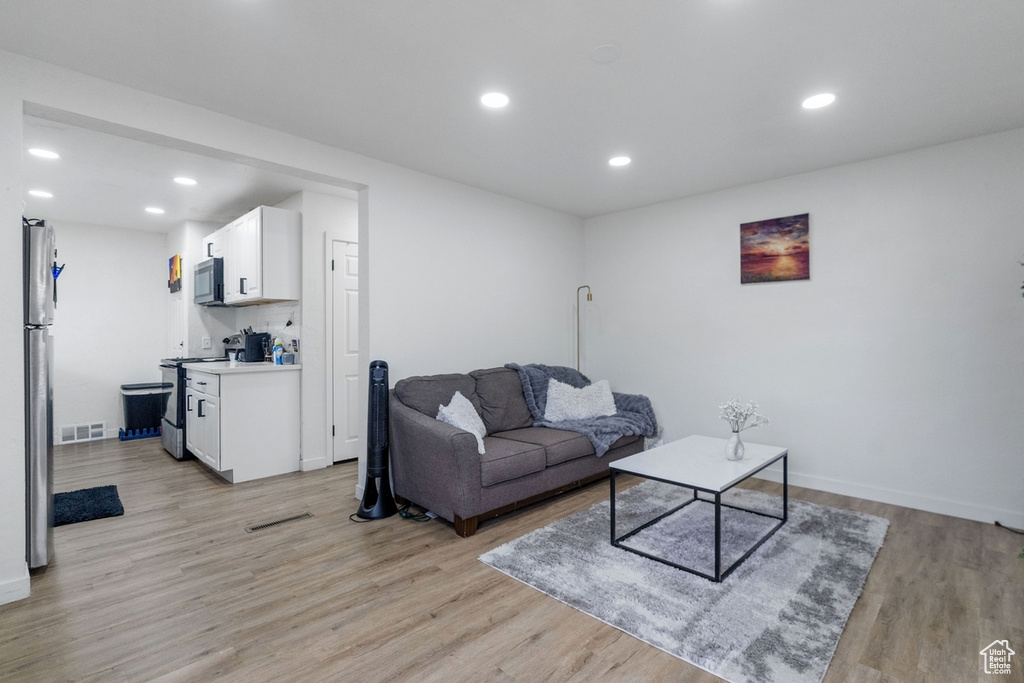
433 464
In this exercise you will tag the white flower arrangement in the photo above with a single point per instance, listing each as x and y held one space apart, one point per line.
738 415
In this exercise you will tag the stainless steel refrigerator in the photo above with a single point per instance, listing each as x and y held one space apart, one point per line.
40 254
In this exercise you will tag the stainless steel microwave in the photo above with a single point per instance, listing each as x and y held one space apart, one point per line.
209 282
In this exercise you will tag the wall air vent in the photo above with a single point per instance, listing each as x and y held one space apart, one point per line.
91 431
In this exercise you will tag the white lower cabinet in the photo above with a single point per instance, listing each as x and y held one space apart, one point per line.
243 422
202 417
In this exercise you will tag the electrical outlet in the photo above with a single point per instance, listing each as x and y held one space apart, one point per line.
206 343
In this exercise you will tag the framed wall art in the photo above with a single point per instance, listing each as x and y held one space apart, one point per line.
174 273
775 250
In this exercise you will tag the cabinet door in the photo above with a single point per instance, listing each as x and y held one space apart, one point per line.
232 266
215 245
211 431
206 435
193 437
247 252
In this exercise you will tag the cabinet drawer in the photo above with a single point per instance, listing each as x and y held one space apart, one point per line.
204 382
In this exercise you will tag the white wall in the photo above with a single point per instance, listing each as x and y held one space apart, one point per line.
324 218
454 278
896 373
189 322
215 322
110 324
14 579
468 280
177 303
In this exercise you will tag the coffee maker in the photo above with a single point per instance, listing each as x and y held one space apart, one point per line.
249 348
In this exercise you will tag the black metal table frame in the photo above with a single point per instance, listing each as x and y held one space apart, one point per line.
719 575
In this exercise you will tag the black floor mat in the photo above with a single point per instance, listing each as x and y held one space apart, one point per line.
86 504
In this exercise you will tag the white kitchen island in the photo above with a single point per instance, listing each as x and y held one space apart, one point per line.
242 419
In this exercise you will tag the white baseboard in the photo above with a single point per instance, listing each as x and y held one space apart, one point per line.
15 589
306 465
941 506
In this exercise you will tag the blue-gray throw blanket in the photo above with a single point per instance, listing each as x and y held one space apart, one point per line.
633 412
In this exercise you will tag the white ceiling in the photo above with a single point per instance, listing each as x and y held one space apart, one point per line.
109 180
706 93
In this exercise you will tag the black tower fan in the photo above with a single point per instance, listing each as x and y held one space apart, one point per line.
378 502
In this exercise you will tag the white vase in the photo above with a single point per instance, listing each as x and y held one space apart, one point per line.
734 447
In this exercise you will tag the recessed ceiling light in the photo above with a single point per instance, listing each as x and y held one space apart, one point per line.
43 153
182 180
494 100
619 161
40 193
818 101
154 209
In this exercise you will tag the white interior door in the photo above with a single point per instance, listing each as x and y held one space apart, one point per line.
176 326
347 429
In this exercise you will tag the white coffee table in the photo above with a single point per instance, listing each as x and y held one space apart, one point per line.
698 462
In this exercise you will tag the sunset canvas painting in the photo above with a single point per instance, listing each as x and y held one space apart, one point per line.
775 250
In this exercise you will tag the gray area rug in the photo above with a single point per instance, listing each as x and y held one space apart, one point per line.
777 618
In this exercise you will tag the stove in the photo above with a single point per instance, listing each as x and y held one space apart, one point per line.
172 428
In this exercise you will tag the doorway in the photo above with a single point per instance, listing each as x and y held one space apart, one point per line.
138 164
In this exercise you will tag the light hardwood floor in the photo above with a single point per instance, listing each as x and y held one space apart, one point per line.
176 590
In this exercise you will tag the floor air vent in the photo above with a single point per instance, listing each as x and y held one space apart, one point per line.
261 527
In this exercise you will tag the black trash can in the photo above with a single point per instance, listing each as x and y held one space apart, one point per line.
144 405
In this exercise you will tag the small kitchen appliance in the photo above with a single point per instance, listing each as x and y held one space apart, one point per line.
249 348
209 282
234 345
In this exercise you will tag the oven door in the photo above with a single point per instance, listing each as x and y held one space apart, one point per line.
169 374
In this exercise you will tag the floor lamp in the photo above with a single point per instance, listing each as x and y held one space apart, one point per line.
590 297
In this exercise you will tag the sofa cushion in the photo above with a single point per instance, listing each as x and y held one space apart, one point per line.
560 445
501 398
506 459
426 394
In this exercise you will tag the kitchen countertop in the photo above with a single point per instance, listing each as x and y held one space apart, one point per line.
226 367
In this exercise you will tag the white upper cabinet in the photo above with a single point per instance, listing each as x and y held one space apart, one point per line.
262 254
214 245
247 268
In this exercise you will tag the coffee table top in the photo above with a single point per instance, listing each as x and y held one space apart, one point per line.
699 461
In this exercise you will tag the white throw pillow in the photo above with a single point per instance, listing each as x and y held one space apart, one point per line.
566 402
461 413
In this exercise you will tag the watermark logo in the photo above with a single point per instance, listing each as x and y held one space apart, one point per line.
997 657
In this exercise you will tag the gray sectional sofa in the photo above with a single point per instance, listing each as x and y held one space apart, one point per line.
437 466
